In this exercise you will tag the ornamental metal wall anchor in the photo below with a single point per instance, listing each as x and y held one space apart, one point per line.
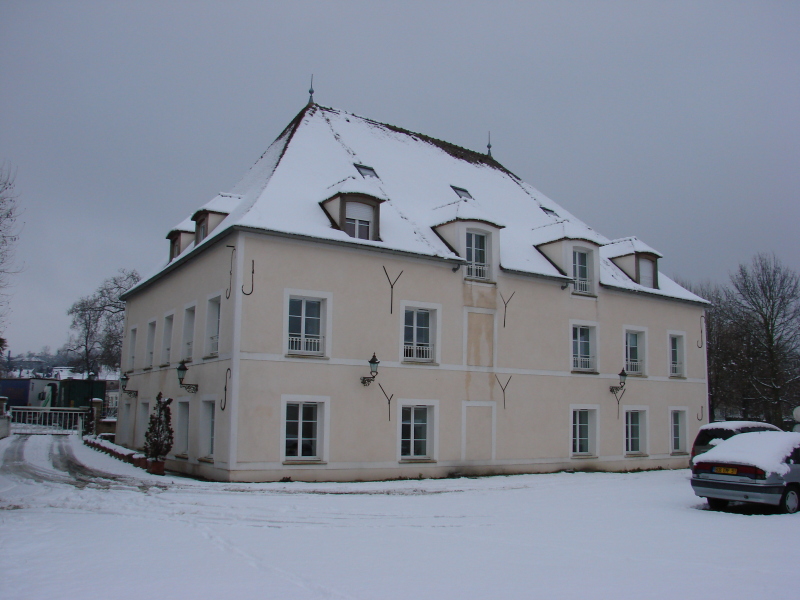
252 278
505 305
503 387
702 329
230 281
391 288
224 402
388 399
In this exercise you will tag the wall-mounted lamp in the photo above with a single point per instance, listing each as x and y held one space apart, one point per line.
189 387
123 382
619 390
373 370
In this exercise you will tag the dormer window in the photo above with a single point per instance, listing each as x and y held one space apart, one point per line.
477 256
462 193
174 247
646 270
358 220
201 229
582 271
366 172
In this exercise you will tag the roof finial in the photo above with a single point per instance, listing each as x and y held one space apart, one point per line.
311 91
489 145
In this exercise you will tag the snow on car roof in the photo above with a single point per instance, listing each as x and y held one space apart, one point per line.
766 450
736 425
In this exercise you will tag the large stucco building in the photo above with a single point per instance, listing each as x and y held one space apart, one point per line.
500 321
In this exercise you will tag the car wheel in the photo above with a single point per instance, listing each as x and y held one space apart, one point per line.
716 503
790 501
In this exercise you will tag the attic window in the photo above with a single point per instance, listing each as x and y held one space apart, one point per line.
366 171
462 193
549 211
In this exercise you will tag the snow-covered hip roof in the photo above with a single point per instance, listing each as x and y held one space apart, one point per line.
314 159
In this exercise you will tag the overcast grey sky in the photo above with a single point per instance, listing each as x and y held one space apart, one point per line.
677 122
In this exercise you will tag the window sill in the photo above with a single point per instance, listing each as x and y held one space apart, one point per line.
312 356
677 376
416 460
210 356
150 368
305 461
163 365
574 372
182 456
479 280
679 453
582 456
206 459
638 375
187 359
585 294
411 361
636 455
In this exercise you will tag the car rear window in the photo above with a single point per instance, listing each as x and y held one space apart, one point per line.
705 436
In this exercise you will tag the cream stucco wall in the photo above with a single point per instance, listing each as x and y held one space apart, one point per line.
474 429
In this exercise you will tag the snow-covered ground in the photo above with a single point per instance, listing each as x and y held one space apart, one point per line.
69 531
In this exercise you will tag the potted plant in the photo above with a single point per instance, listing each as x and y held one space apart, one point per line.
159 435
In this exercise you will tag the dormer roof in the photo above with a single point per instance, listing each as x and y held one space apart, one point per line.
626 246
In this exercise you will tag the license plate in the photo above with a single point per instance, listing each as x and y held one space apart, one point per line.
725 470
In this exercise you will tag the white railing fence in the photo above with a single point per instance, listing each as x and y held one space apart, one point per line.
634 367
306 345
584 286
583 363
478 270
29 420
418 352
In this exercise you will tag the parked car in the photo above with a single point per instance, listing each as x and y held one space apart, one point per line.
723 430
761 467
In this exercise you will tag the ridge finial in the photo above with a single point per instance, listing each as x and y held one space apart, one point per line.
489 145
311 91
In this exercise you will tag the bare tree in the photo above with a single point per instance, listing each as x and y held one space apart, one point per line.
9 234
766 299
98 322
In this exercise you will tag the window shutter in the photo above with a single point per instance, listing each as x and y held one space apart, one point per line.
359 210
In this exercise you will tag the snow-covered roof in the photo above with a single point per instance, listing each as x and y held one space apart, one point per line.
222 203
186 225
315 158
736 425
625 246
766 450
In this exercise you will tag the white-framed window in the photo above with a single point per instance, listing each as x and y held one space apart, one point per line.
414 432
676 361
208 429
635 430
677 430
583 345
582 271
150 345
358 220
182 428
212 326
635 345
477 255
132 349
142 422
416 429
307 322
304 431
166 341
305 326
187 350
584 430
647 272
201 229
418 334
